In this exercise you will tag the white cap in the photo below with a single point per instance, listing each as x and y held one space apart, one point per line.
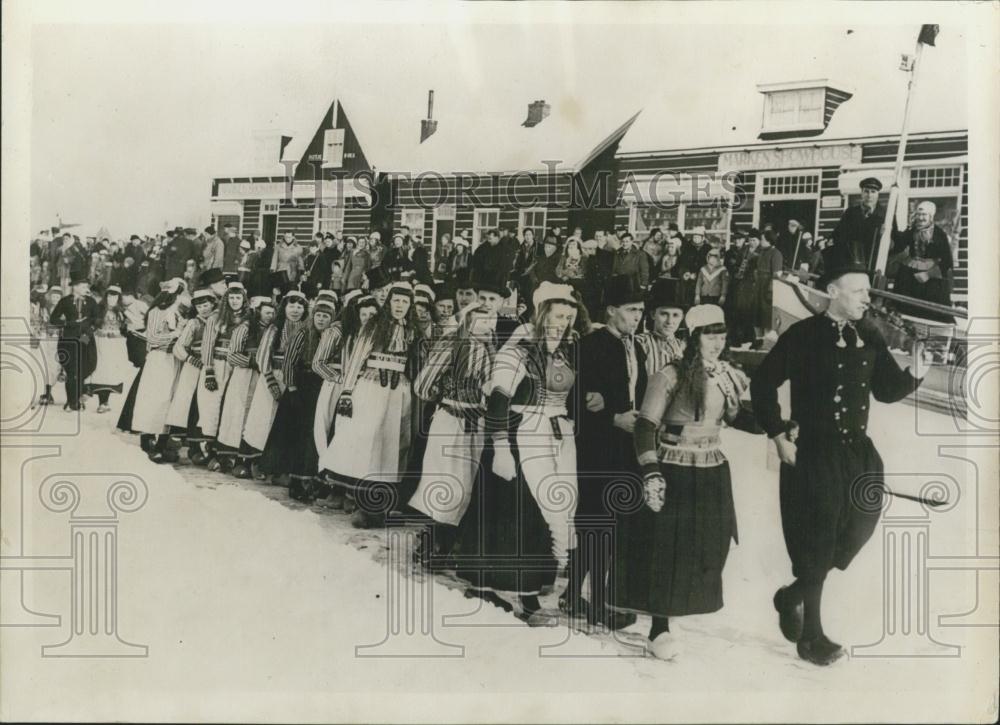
549 291
702 315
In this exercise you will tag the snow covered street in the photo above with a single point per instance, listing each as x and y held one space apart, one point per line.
252 605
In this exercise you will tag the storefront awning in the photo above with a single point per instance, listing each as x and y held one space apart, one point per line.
671 188
852 174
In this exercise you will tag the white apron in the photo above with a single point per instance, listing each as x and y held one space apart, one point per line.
210 402
180 404
373 443
112 361
326 409
263 408
450 466
235 405
156 387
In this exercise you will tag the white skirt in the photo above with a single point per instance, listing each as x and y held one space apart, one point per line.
236 405
549 467
209 401
263 408
450 467
326 409
156 387
373 443
180 404
112 362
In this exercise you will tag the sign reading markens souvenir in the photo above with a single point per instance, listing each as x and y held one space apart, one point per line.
793 158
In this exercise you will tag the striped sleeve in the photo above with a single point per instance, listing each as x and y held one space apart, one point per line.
183 347
237 355
208 341
325 361
437 362
266 348
295 349
359 356
158 332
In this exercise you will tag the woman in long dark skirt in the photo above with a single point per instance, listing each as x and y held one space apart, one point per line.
291 451
672 552
519 529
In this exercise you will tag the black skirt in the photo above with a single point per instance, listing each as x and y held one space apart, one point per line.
831 501
504 542
669 563
125 417
290 447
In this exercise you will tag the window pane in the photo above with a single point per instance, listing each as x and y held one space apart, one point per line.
647 217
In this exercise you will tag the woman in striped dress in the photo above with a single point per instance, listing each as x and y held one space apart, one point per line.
270 386
215 364
159 374
182 416
369 451
112 357
290 450
238 393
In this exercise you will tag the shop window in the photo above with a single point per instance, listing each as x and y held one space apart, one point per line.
790 184
714 217
798 109
330 218
333 148
533 219
482 221
414 219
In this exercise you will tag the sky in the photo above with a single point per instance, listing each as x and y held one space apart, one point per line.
130 121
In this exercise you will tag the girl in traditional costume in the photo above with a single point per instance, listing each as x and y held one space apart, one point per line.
528 528
674 549
368 454
112 357
239 390
215 365
182 416
270 385
290 451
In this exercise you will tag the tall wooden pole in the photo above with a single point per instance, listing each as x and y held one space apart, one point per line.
885 242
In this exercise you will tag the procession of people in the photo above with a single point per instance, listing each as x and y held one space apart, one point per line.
517 405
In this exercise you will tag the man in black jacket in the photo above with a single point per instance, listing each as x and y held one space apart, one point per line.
612 372
831 484
858 231
78 315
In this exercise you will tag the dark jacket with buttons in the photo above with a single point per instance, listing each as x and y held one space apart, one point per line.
831 385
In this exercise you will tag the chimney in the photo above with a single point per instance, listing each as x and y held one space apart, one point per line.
428 126
537 111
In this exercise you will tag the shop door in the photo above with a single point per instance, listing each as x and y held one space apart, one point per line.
269 224
779 212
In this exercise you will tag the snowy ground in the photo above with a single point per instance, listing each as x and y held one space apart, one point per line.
252 606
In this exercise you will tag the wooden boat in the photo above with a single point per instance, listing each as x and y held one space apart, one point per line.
943 389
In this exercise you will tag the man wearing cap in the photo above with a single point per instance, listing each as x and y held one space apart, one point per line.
632 262
286 262
213 252
860 227
612 376
664 315
789 243
79 315
75 258
831 474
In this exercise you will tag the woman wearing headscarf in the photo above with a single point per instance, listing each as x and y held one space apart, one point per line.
925 265
270 385
373 426
182 416
527 526
674 549
216 368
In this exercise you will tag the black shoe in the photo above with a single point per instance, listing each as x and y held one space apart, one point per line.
819 650
241 470
789 614
575 607
619 620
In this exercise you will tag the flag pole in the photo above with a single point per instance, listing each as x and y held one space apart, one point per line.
885 241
